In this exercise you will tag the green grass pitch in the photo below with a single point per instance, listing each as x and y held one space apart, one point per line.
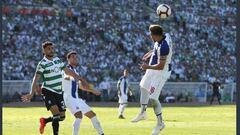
196 120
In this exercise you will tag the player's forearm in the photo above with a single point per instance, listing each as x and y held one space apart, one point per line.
34 85
74 75
150 52
156 67
148 55
86 89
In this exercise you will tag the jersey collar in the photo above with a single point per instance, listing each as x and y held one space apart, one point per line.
47 59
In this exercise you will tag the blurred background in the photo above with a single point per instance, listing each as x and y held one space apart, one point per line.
111 35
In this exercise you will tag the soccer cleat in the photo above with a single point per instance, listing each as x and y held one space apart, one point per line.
121 117
42 125
139 117
158 128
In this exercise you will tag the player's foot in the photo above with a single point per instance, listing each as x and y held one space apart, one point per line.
42 125
121 117
139 117
158 128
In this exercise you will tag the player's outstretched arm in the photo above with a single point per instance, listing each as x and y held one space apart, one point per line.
76 77
95 92
28 97
147 55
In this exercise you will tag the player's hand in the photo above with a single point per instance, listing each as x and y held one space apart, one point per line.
27 97
97 93
143 66
130 93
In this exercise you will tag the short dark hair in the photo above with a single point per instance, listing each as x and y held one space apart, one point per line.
156 29
70 53
46 43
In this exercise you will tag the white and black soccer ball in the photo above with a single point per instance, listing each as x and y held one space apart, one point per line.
163 11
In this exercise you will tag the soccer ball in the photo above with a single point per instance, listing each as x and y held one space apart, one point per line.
163 11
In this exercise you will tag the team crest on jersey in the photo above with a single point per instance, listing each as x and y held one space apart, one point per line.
152 89
56 69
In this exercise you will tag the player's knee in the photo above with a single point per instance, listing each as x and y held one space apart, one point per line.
56 118
78 115
153 102
90 114
62 118
93 114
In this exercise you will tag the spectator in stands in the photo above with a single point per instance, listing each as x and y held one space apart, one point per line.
115 31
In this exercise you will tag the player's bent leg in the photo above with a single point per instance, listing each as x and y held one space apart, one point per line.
44 121
144 102
96 124
157 110
77 122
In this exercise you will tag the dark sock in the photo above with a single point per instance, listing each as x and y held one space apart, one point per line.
49 119
55 126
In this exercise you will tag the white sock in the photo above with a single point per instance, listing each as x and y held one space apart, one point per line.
144 99
76 126
96 125
157 107
122 108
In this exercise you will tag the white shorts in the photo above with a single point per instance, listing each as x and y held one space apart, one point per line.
153 81
123 99
76 104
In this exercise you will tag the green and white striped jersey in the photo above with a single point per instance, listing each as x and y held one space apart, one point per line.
51 73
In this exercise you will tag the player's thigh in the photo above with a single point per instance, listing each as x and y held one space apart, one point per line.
60 102
54 110
156 88
84 107
146 81
72 105
76 105
50 101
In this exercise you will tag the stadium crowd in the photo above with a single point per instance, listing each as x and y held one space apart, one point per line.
110 35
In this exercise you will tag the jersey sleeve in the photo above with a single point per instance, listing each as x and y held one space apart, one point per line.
40 69
164 50
63 65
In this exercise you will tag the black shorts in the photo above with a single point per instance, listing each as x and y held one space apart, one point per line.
50 99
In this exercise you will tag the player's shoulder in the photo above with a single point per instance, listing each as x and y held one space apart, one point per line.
43 61
122 77
167 36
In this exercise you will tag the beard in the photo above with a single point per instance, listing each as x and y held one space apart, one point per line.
50 55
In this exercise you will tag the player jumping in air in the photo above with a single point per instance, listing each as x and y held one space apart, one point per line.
157 72
74 103
49 69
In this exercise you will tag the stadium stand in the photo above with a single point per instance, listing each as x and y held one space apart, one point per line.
110 35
